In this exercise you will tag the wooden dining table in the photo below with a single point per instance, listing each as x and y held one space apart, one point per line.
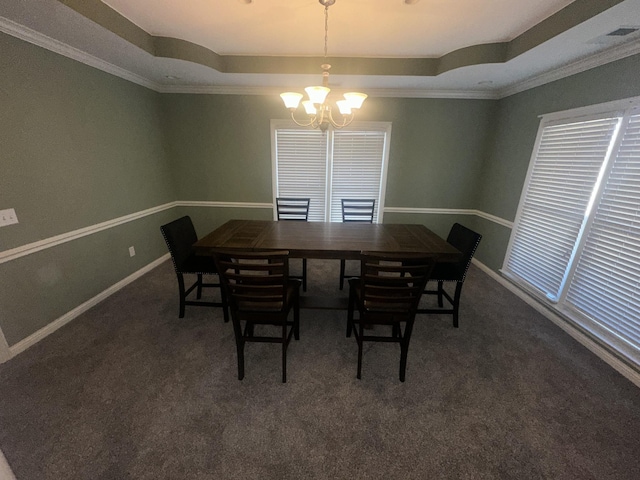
324 240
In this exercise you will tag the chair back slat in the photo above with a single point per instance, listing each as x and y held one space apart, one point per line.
358 210
254 280
292 208
393 282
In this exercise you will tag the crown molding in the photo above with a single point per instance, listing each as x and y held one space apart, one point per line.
36 38
609 55
380 92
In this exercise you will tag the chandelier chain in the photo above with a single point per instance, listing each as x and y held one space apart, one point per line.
326 29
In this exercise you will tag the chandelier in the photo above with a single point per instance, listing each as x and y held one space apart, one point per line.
317 106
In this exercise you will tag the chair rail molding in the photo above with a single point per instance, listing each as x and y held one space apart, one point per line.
29 248
451 211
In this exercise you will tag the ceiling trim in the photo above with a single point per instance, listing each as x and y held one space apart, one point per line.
501 52
36 38
601 58
31 36
380 92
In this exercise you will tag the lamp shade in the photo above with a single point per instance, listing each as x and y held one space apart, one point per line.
344 106
355 99
317 94
309 107
291 99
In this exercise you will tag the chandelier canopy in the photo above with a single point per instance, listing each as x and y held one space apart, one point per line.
317 106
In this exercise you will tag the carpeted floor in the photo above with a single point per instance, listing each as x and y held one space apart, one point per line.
129 391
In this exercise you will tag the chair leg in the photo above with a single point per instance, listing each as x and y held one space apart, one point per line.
284 351
296 319
225 304
237 330
456 303
352 306
440 294
199 290
404 349
182 295
304 274
360 346
342 269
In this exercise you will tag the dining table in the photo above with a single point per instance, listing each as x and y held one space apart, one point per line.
326 240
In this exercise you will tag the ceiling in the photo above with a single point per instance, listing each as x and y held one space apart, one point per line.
424 48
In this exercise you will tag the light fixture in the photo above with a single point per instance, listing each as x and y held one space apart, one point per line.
317 106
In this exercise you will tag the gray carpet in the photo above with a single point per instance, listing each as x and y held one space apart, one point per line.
129 391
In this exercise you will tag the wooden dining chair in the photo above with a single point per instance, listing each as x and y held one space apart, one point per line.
296 209
387 293
467 241
260 292
355 210
180 235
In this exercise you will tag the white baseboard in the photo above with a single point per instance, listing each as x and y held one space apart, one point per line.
5 469
621 367
34 338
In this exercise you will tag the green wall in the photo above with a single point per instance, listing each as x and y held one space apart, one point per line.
77 147
221 147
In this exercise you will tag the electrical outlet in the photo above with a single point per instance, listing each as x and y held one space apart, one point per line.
132 251
8 217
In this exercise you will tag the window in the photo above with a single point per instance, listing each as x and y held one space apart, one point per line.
576 238
326 167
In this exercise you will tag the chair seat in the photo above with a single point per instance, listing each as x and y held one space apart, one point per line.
447 272
198 264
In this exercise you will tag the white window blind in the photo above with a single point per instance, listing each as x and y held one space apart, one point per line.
565 170
606 284
357 168
301 165
327 167
576 238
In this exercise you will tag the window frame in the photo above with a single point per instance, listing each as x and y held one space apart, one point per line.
594 327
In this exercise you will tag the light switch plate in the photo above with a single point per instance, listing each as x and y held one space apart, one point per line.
8 217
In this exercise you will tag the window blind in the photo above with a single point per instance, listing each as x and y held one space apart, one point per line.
356 168
301 165
606 283
565 169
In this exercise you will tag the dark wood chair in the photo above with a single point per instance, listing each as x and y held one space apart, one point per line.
355 210
296 209
180 235
387 293
260 292
466 241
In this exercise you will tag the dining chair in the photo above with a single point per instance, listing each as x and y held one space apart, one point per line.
260 292
466 241
355 210
297 209
387 293
180 235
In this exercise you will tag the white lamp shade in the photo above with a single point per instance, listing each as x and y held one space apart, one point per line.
308 107
317 94
344 106
355 99
291 99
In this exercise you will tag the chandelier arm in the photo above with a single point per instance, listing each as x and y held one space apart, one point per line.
346 120
310 124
